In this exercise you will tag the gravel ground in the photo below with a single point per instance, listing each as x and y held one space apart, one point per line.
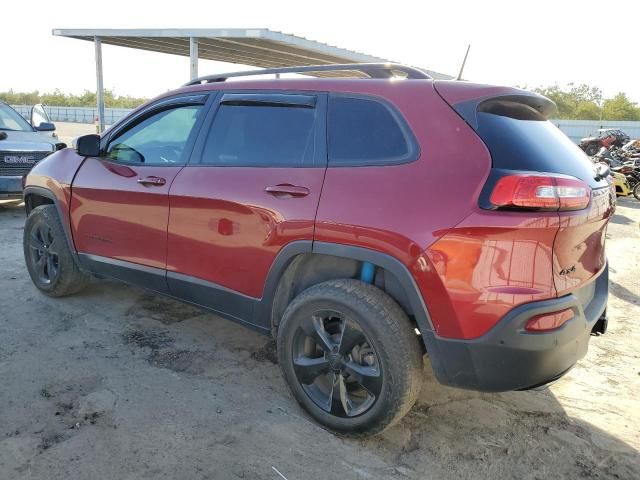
119 383
67 131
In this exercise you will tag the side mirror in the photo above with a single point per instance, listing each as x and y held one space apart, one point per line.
46 127
88 145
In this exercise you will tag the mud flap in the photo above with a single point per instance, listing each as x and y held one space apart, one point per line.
600 328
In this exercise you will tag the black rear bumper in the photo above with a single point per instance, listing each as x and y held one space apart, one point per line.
509 358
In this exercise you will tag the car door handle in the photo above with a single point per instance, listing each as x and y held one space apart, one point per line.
152 181
286 189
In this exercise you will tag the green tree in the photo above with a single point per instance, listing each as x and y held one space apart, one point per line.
577 102
620 108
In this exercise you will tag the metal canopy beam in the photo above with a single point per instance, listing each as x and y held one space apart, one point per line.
99 84
256 47
193 57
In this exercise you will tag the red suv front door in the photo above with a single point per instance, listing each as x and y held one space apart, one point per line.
252 187
120 201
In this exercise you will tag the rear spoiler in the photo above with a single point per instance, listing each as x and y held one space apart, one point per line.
467 99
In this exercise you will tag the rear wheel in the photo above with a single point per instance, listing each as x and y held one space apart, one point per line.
50 263
636 191
350 356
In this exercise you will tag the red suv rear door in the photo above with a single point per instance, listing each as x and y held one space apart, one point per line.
252 187
120 201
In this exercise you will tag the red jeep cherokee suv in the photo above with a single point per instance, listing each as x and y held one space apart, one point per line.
362 222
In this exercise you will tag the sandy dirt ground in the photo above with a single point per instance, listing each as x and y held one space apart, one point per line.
116 383
67 131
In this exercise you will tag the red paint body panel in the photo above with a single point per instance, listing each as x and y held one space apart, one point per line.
226 229
456 92
579 245
55 173
114 216
487 265
407 200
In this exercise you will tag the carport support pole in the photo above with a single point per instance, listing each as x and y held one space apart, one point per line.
193 57
100 85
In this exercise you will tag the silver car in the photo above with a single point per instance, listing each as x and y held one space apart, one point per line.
22 145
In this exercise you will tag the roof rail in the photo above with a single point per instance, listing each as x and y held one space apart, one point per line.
372 70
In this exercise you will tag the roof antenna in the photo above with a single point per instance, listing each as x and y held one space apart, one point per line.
459 77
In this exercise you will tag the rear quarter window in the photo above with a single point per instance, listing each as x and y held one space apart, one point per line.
366 131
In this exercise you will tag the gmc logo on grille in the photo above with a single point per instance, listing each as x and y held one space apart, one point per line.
15 159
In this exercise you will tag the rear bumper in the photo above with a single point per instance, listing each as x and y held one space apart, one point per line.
508 358
10 187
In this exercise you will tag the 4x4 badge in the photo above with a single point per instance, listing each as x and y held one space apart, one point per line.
567 271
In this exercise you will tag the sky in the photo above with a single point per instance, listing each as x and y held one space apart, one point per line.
531 43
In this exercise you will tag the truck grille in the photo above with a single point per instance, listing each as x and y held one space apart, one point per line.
19 163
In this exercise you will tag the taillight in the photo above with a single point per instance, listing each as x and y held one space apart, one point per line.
548 321
540 192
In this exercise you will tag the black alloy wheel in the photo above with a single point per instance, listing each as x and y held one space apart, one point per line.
336 365
44 254
47 253
350 356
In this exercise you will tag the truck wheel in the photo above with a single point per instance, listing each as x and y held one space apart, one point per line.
50 263
591 149
350 356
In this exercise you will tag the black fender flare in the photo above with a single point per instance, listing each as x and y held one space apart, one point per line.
46 193
382 260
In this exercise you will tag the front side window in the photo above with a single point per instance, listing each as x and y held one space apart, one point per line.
159 139
365 131
261 135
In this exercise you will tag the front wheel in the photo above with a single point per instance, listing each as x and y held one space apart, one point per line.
636 191
350 356
49 260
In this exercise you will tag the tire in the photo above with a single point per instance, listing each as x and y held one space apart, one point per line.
377 370
49 260
636 191
591 149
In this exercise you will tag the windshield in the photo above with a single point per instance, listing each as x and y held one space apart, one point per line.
11 120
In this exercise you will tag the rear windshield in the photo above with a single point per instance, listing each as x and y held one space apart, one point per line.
521 139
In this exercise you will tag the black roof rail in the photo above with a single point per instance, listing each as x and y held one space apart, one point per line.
372 70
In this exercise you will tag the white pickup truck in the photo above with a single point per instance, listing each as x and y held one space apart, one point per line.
22 145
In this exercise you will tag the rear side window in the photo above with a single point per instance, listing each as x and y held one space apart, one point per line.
365 131
261 135
519 138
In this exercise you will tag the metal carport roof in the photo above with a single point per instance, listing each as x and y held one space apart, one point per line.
258 47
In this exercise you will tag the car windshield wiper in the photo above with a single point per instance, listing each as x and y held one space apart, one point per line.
9 129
